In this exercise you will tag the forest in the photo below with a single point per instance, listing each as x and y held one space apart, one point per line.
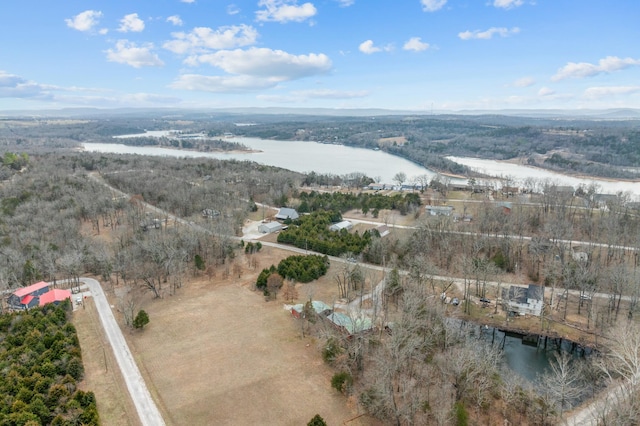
55 203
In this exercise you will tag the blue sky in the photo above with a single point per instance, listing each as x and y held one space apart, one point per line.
440 55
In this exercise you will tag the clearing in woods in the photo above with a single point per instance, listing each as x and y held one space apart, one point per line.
217 353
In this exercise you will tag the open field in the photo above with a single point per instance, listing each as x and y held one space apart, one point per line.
217 353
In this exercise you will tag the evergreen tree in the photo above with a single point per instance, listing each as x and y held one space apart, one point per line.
317 421
141 319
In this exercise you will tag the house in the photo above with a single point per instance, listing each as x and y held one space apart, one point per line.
523 300
604 201
375 186
38 294
54 296
349 325
462 218
383 230
319 307
505 206
269 227
439 210
345 224
510 191
286 213
27 297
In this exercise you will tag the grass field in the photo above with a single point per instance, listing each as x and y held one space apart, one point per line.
217 353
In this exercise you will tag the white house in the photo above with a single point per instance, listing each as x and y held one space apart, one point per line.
523 300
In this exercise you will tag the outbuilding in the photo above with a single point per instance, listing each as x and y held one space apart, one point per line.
345 224
286 213
269 227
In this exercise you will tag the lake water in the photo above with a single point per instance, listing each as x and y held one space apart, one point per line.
305 157
520 172
298 156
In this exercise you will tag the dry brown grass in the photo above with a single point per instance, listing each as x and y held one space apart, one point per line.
217 353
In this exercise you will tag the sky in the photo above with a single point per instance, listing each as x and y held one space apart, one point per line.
425 55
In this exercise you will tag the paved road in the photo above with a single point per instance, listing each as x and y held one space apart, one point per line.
145 406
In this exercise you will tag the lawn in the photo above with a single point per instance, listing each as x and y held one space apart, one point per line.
217 353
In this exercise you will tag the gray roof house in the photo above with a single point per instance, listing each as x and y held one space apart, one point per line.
287 213
523 300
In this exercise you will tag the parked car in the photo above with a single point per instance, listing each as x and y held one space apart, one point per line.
485 300
455 301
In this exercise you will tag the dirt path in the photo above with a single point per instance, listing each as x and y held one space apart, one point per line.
145 406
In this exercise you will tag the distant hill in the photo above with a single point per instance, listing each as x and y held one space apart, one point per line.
588 114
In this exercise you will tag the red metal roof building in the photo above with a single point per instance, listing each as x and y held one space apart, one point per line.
54 296
37 294
33 288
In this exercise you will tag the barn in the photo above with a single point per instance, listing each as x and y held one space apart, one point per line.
269 227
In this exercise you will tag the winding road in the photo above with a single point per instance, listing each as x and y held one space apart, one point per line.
145 406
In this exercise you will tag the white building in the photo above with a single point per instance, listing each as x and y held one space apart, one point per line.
524 300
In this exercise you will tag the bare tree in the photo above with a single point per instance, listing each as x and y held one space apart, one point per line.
565 381
400 178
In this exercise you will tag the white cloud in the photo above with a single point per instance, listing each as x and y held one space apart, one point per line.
508 4
524 82
103 31
609 91
202 38
232 9
84 21
586 69
129 53
416 44
188 1
346 3
284 11
488 34
132 23
276 65
13 86
368 48
432 5
545 91
222 84
175 20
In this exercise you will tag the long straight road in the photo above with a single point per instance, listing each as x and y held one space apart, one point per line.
145 405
